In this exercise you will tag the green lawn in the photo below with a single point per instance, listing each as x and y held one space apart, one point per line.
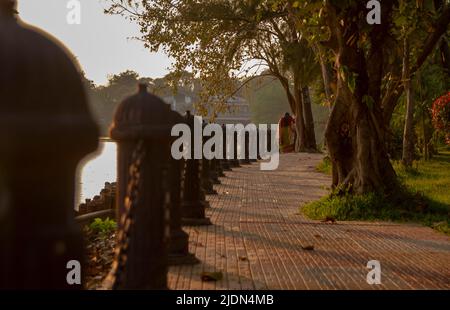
432 178
425 197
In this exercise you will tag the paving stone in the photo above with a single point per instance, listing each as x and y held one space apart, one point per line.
258 234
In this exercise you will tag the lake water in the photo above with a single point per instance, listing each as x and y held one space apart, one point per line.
94 171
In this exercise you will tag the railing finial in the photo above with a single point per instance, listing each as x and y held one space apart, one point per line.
8 8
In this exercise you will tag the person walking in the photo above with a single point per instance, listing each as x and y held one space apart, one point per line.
285 129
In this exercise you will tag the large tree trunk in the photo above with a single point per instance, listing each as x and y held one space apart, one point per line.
356 131
356 145
408 133
355 134
310 133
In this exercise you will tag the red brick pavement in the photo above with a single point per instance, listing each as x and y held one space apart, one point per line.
257 237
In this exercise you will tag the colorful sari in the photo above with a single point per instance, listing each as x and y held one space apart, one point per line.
286 134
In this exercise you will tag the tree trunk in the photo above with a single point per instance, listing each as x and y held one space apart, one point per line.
426 155
356 145
295 102
300 141
445 55
310 133
326 77
408 133
356 131
443 46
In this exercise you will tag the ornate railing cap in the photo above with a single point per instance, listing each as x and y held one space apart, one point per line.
8 8
42 92
143 116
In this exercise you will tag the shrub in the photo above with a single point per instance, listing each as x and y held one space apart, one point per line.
400 206
103 227
325 165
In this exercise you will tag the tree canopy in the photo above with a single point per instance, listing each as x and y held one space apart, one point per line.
366 67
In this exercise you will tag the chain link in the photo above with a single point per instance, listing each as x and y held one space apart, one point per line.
126 221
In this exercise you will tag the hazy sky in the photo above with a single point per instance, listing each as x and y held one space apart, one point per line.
101 42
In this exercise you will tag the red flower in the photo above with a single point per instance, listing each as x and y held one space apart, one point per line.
440 113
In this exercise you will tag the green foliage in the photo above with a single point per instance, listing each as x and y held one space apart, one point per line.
346 207
430 82
368 100
324 166
374 206
268 103
103 227
105 99
422 198
267 100
430 178
225 43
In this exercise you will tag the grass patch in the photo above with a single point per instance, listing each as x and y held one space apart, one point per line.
430 178
324 166
424 197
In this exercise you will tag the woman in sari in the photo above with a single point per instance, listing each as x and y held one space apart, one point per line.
286 134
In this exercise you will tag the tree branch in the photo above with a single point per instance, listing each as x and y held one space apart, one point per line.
440 27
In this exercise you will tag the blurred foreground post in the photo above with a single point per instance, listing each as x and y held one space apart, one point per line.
45 130
141 127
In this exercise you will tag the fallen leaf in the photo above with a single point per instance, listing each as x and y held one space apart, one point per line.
329 219
211 276
308 248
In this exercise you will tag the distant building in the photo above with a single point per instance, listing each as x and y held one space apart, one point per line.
181 102
237 110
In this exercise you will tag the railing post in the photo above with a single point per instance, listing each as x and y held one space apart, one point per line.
252 160
214 171
235 161
225 162
246 159
45 130
219 166
193 197
179 239
258 139
226 146
142 126
269 139
220 169
207 177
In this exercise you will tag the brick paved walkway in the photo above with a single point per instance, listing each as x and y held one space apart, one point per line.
258 234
